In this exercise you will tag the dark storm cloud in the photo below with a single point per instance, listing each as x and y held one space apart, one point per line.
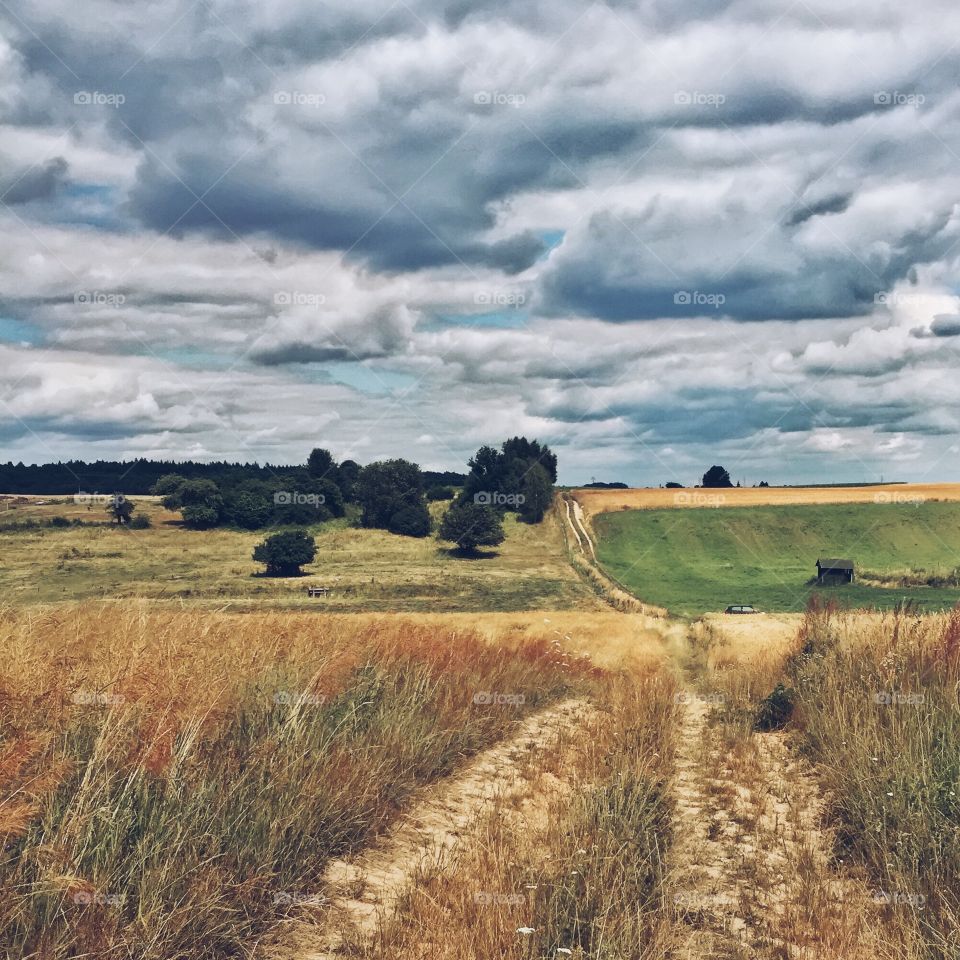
36 183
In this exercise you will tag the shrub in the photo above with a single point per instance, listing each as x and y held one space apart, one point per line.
412 520
775 710
59 522
472 525
200 518
140 522
285 553
440 493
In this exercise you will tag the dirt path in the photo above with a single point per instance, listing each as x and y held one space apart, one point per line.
752 875
579 523
360 894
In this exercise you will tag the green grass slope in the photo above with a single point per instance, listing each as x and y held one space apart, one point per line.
697 560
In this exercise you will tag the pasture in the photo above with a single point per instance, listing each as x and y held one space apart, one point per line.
364 569
693 561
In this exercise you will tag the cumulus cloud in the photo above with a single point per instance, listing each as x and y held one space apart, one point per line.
653 234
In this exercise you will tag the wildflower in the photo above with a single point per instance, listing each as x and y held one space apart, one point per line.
526 931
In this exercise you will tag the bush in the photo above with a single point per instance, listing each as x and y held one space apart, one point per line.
200 518
411 521
775 709
472 525
440 493
59 522
285 553
140 522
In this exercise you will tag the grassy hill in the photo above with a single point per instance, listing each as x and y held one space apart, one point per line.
696 560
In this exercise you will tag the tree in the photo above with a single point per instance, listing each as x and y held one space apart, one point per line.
120 508
716 477
500 477
439 492
347 475
199 501
285 553
537 494
472 525
385 488
321 464
411 520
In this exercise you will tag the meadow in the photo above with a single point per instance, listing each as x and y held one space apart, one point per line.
364 569
693 561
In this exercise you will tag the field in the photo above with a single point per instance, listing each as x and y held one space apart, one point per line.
695 561
453 758
364 569
604 501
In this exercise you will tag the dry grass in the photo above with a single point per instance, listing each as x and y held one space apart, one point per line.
163 774
603 501
573 867
364 569
876 714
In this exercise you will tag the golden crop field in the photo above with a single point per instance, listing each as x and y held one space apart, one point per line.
649 498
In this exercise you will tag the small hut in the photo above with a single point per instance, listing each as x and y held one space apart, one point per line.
834 571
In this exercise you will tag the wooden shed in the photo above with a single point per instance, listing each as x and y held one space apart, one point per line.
830 570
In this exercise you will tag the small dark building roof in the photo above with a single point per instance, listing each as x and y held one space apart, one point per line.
835 564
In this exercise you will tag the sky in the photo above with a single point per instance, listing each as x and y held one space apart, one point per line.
655 235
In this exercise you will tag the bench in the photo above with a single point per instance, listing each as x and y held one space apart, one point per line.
317 591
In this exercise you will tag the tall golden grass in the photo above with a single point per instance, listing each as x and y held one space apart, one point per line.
583 877
878 710
164 773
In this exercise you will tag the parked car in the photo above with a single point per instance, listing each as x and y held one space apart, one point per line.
741 608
